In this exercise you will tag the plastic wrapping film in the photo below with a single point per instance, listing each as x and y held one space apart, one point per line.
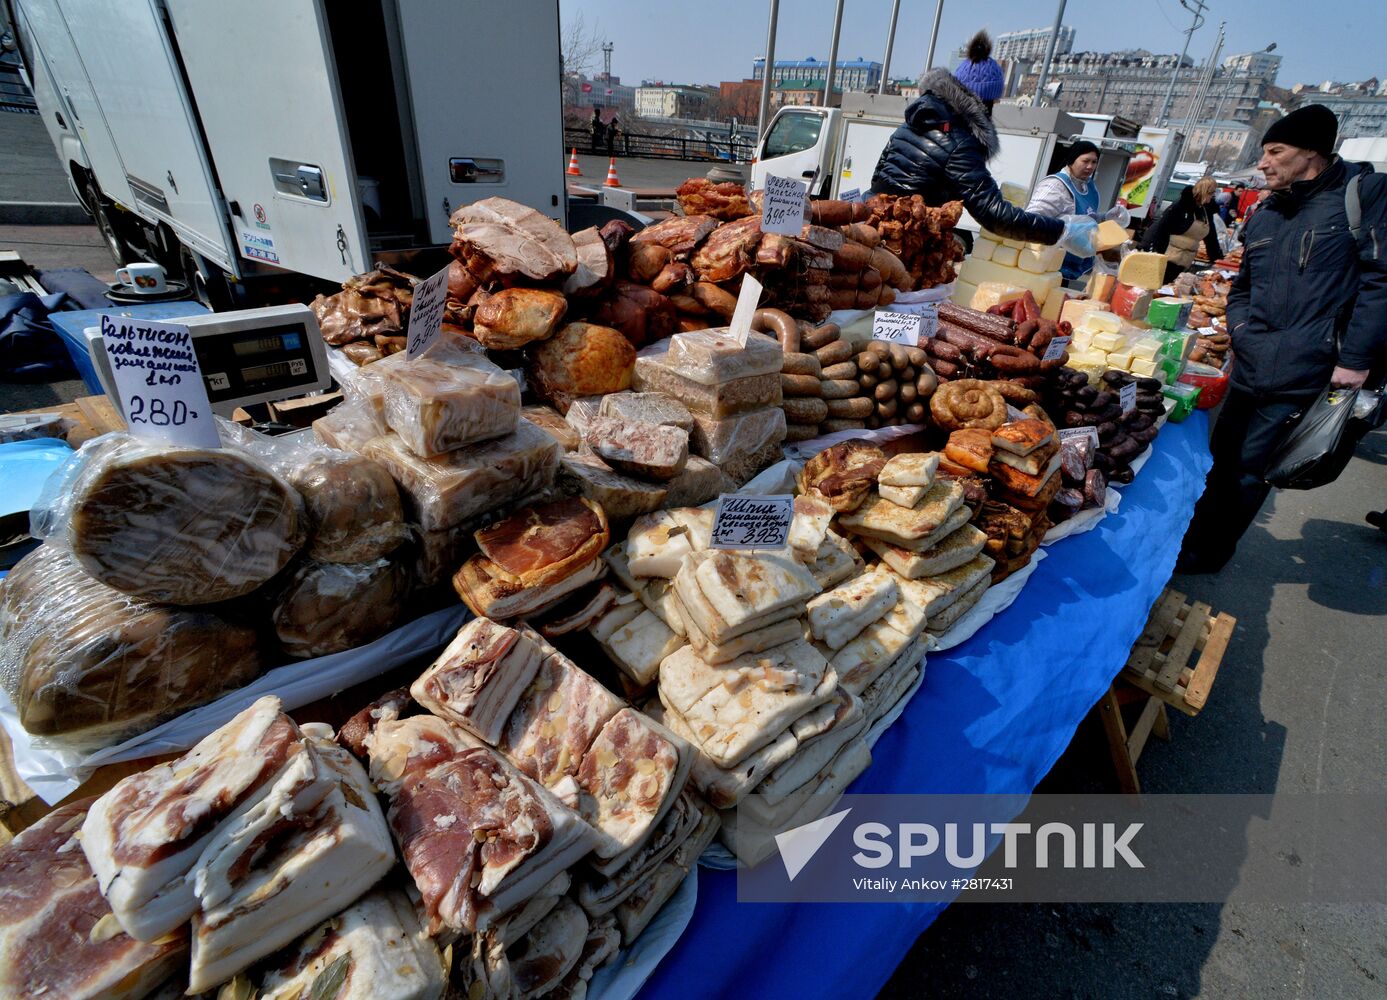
444 491
712 357
86 665
727 439
653 373
326 607
349 425
171 524
366 385
437 406
353 508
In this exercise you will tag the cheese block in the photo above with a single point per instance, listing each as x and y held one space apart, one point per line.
1121 359
1054 302
963 293
1131 303
991 293
1146 349
1143 270
1076 309
1169 314
978 271
990 236
1100 286
1142 366
983 248
1109 235
1082 359
1007 256
1013 244
1100 321
1040 259
1081 340
1108 341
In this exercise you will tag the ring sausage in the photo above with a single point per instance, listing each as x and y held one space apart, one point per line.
779 325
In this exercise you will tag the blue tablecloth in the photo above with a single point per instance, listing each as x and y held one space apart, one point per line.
993 716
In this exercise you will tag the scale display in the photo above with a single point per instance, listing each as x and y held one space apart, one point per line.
237 365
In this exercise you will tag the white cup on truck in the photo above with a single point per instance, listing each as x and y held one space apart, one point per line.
142 279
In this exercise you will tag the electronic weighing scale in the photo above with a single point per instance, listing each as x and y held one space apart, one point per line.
247 356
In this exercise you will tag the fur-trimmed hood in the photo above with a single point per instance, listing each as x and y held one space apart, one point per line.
943 99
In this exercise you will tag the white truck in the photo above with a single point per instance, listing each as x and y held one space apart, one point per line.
245 143
836 149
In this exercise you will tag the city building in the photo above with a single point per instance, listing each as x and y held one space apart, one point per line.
1264 64
740 99
581 91
803 92
1226 145
1134 84
854 74
1030 44
656 99
1360 114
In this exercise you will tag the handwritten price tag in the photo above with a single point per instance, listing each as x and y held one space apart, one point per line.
1127 396
748 522
852 194
897 327
782 205
426 314
1056 348
1078 434
159 381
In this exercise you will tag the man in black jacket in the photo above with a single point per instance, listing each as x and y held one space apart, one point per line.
1307 310
941 153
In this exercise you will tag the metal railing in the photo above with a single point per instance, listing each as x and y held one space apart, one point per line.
662 147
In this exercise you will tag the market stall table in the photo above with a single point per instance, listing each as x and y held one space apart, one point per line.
993 716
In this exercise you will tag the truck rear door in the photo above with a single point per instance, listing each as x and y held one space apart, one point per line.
863 141
133 73
265 87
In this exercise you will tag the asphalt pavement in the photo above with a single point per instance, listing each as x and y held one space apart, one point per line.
1298 706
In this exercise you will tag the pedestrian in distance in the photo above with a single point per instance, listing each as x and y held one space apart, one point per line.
941 153
612 128
1307 310
599 131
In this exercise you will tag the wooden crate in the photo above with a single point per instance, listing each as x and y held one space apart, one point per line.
1159 672
1163 662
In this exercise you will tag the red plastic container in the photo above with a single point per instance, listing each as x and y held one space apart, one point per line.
1214 387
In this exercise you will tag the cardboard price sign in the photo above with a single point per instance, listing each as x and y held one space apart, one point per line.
1127 396
1056 348
897 327
750 522
426 314
1078 434
159 381
747 301
783 205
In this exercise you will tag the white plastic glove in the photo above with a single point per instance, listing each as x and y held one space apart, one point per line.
1077 238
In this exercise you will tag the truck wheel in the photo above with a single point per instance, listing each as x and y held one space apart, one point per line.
101 216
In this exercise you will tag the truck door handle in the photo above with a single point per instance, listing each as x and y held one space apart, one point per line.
808 173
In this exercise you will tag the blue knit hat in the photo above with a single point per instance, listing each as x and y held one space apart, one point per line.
980 73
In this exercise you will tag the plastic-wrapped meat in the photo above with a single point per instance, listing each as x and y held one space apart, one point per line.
172 524
371 303
377 943
349 425
679 234
327 607
86 665
438 406
1072 464
1067 503
700 196
58 937
1095 488
503 241
353 506
595 266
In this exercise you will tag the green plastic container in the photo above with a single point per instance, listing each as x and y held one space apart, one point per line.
1186 397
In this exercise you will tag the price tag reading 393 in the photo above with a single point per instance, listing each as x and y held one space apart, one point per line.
783 204
159 381
752 522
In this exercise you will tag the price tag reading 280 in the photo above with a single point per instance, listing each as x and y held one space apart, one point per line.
159 381
752 522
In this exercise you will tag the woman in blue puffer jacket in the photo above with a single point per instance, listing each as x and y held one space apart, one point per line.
941 154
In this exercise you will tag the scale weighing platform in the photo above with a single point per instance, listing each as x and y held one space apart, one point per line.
247 356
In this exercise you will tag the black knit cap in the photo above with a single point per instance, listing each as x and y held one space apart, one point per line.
1312 127
1077 150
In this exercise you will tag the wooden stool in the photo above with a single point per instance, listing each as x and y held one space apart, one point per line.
1158 673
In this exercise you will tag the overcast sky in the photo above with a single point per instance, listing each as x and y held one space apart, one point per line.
713 40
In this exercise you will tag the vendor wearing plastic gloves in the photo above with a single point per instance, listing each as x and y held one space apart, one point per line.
1070 192
941 154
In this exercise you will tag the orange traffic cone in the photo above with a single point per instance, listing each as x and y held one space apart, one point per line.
611 181
573 167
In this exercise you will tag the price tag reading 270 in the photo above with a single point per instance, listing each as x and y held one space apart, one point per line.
159 381
782 205
752 522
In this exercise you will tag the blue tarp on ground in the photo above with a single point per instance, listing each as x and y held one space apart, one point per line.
993 716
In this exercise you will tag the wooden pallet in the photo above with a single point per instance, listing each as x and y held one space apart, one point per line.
1158 672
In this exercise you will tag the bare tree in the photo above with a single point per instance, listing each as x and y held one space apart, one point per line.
580 45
